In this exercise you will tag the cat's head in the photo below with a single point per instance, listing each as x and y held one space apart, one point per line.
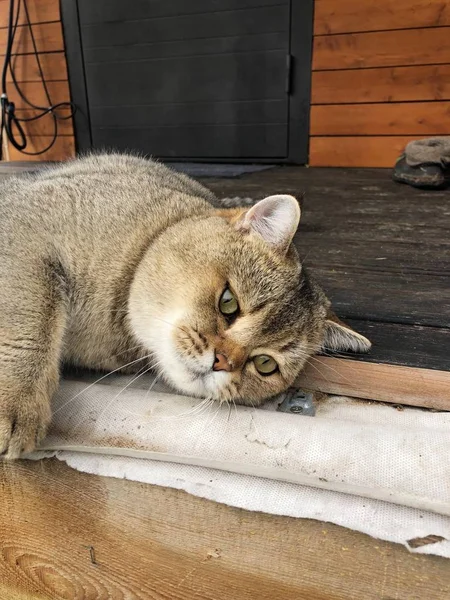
226 308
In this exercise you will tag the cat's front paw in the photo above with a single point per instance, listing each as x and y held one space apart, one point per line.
24 419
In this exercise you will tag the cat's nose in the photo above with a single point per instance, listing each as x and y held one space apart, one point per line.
221 363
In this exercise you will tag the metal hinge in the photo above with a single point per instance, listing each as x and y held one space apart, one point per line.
288 83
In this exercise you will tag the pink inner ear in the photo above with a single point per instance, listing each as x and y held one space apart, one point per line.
274 219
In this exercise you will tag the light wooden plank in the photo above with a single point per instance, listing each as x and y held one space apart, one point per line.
386 84
59 92
152 542
44 126
347 16
25 66
40 11
361 151
48 37
63 148
382 49
387 383
427 118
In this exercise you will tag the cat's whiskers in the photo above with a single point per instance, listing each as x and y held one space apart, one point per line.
109 404
98 381
210 421
315 358
327 366
193 411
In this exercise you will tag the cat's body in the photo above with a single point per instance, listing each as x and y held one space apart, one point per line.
111 258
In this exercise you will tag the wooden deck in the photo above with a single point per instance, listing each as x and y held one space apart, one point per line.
382 253
381 250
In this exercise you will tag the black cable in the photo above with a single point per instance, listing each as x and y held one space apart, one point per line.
8 108
9 118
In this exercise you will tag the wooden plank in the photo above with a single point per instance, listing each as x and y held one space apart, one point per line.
40 11
25 66
48 37
403 345
63 148
370 151
386 383
152 542
348 16
386 84
412 118
380 249
45 126
382 49
59 92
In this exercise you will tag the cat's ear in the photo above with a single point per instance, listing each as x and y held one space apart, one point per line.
339 337
275 219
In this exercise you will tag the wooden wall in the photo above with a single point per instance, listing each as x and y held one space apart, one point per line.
381 77
45 17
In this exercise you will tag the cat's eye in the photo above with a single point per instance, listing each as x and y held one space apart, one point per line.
265 365
228 303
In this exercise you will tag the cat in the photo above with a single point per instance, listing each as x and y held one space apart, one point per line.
115 262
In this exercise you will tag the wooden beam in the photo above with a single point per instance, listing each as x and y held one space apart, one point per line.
66 534
411 118
347 16
40 11
387 383
63 148
384 84
48 38
26 67
358 151
382 49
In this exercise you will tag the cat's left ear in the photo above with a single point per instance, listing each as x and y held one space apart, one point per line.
275 219
339 337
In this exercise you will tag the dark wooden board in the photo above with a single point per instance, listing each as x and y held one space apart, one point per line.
404 345
380 250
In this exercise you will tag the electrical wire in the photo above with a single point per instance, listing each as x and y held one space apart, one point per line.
9 118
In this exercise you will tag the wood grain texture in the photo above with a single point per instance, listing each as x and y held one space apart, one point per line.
380 250
348 16
33 90
40 11
25 66
387 383
151 542
45 126
63 148
48 37
382 49
418 118
385 84
370 151
403 345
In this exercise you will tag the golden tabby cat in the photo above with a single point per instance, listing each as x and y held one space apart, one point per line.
113 259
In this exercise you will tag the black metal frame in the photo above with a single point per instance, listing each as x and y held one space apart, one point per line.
301 38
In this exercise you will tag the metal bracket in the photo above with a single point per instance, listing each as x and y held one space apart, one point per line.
298 402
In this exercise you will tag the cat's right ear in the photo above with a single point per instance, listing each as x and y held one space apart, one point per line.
275 219
339 337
